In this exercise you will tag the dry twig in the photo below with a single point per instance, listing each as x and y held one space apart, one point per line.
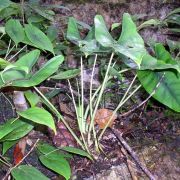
133 154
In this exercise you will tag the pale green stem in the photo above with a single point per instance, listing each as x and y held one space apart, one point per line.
2 36
90 103
93 97
59 116
128 89
78 91
74 103
7 52
100 96
82 98
78 118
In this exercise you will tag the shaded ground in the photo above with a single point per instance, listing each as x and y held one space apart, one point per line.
152 132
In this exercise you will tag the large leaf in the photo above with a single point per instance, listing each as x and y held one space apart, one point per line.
47 70
25 172
168 91
72 31
66 74
101 32
40 116
56 163
37 37
130 42
15 30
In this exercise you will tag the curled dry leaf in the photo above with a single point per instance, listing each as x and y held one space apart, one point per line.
102 117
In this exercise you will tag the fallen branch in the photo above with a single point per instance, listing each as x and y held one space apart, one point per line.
133 154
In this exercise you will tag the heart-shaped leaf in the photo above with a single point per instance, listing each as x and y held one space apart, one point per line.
101 32
72 31
130 42
168 91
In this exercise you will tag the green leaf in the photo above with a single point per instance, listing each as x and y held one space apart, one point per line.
15 30
56 163
2 30
40 116
7 145
32 98
76 151
148 23
35 19
176 30
25 172
130 42
42 12
12 9
3 63
101 32
45 149
66 74
18 132
37 37
28 59
115 25
12 74
52 33
72 31
14 129
174 19
168 92
4 4
83 25
47 70
175 11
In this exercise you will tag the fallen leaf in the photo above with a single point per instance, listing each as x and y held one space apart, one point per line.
102 117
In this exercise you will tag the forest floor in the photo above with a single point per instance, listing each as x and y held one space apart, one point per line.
152 131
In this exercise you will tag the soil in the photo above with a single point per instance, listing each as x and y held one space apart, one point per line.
153 133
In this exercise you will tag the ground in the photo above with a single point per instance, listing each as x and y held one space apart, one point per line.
152 132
